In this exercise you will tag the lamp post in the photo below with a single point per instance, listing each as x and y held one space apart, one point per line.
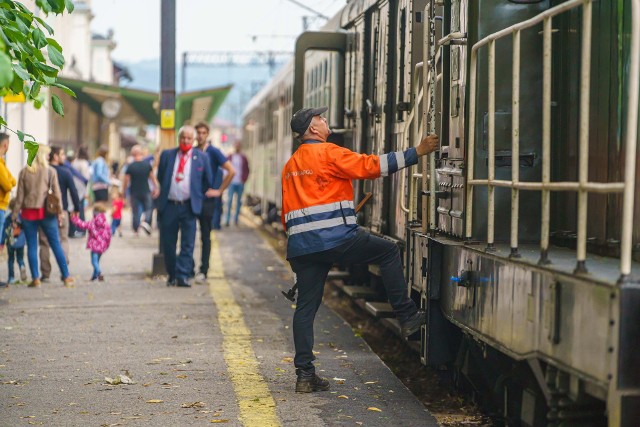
167 99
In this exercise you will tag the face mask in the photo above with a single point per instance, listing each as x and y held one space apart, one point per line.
185 148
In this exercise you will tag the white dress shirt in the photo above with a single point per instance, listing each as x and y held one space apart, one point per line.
181 191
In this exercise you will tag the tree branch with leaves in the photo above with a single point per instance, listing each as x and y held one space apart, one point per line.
24 68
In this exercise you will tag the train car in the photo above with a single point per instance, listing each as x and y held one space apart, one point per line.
529 274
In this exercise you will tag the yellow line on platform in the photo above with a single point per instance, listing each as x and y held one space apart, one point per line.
257 407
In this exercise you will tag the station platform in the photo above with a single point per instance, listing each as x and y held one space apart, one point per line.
218 353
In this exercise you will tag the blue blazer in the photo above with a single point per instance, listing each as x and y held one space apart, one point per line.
201 178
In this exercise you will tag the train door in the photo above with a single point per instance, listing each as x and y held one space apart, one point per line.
450 171
408 53
375 103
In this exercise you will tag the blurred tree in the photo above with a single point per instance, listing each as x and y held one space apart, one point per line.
24 68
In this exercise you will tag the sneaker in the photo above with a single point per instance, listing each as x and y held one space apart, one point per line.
68 282
23 273
171 282
146 228
44 279
100 278
11 280
35 283
413 323
310 383
201 279
4 284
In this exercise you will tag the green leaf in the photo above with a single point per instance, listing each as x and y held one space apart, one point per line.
45 25
44 5
14 35
55 56
32 150
35 90
6 71
57 105
54 43
48 80
46 69
20 135
57 6
69 5
21 72
2 122
17 84
39 39
65 89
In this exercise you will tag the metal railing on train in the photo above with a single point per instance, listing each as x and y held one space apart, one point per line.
583 186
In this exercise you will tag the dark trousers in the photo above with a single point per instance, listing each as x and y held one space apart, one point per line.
178 217
311 272
209 219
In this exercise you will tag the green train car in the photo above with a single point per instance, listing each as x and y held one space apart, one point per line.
520 236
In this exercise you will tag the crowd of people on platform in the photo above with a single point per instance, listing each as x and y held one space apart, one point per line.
185 187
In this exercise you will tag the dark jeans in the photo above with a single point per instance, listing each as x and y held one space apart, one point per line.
95 263
49 226
13 255
174 218
141 204
217 213
311 272
206 219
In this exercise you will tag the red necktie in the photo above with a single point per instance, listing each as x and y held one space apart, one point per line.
180 172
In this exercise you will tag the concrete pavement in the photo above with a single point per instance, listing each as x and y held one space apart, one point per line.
215 353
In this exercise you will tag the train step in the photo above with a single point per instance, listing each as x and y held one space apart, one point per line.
379 309
356 292
338 275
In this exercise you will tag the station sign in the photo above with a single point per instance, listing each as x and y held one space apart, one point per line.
14 98
167 119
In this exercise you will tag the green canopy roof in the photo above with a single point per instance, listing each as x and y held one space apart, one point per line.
142 107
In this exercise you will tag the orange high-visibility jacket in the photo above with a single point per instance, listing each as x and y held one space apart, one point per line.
318 212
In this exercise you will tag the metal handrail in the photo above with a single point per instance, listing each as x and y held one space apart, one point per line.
583 187
410 117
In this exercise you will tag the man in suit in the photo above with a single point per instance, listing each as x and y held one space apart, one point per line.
185 180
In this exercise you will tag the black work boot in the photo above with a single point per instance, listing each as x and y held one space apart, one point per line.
309 382
413 323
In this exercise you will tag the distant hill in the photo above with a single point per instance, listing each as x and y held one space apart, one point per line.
246 80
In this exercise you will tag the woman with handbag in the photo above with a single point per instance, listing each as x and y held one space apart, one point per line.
38 202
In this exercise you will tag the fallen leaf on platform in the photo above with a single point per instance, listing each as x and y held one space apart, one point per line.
371 382
287 360
155 401
342 396
373 408
339 380
193 405
218 421
181 376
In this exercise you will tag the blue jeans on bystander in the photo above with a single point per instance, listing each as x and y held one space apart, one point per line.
49 226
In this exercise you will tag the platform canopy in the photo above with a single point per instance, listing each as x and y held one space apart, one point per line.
131 107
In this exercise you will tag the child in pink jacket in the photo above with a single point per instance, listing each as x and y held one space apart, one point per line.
99 237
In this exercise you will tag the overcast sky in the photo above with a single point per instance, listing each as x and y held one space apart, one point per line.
205 25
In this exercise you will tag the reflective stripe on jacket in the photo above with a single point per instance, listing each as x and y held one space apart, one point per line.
317 194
